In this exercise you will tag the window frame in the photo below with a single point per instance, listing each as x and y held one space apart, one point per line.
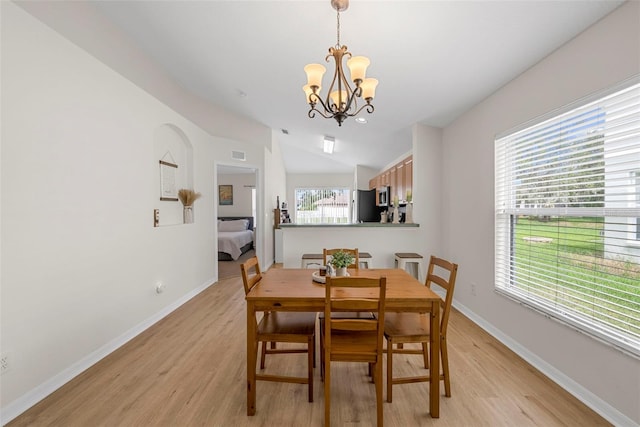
507 273
346 193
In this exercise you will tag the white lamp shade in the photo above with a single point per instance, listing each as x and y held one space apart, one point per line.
308 91
314 74
358 67
339 97
369 88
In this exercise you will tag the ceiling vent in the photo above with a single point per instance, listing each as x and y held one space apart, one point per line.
238 155
286 132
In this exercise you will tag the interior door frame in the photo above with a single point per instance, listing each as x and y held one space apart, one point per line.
258 243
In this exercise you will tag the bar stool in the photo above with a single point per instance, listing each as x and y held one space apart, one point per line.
366 259
404 258
311 259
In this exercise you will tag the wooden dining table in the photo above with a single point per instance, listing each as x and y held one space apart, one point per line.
292 289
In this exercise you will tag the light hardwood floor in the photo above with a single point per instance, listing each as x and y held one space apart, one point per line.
189 369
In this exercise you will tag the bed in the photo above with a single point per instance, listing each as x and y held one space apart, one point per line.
235 237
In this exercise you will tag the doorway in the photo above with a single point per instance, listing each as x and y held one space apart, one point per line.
240 201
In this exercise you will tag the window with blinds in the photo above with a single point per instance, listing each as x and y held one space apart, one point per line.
567 193
322 205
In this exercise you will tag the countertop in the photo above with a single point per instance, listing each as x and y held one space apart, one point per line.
361 224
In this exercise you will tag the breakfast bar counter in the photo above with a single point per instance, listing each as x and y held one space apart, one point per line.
359 224
381 240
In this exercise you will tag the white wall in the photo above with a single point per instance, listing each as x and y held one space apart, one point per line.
381 242
604 54
242 185
80 256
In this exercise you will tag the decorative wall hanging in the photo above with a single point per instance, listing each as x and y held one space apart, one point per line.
168 190
225 195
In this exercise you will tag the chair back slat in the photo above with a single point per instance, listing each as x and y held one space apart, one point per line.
445 278
251 273
354 305
346 293
355 325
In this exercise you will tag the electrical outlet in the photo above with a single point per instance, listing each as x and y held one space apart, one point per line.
473 289
4 363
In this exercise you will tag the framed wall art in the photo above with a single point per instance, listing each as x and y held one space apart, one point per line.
225 195
168 189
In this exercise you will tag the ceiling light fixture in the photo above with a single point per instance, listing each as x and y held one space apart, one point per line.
340 102
329 142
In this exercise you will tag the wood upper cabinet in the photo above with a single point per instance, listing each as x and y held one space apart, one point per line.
399 190
399 177
393 182
373 183
408 176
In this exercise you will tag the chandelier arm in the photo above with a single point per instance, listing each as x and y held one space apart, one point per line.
314 110
369 108
324 107
352 100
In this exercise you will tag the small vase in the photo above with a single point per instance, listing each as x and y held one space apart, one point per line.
396 216
187 214
341 271
409 214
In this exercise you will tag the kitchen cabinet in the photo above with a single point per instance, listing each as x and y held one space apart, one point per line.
400 191
399 177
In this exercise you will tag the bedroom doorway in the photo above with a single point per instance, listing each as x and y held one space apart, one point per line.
237 201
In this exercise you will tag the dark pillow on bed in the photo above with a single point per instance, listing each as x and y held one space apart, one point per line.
233 225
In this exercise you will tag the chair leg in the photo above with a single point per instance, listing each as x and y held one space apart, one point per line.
425 354
264 353
378 380
389 369
322 349
445 366
311 357
327 393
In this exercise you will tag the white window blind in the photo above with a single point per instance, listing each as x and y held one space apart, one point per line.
322 205
567 216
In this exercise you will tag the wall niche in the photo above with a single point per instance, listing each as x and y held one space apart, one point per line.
171 146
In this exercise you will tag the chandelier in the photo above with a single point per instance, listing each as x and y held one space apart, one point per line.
341 100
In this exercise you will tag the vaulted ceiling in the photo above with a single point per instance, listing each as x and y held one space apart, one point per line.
434 61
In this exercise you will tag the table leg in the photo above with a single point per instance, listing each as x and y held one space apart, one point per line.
252 354
434 368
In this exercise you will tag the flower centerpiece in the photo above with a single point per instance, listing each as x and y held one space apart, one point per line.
340 260
187 197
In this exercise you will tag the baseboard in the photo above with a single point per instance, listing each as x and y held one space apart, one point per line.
34 396
605 410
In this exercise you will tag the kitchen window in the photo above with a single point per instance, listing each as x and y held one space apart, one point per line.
564 209
322 205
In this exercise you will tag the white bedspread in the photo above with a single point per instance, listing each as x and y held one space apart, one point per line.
231 242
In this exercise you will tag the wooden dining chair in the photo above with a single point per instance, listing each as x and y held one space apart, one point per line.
282 327
326 256
405 328
327 253
354 340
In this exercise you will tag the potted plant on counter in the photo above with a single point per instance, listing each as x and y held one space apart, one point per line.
340 261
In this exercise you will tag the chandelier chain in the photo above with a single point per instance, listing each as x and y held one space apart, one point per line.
338 29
